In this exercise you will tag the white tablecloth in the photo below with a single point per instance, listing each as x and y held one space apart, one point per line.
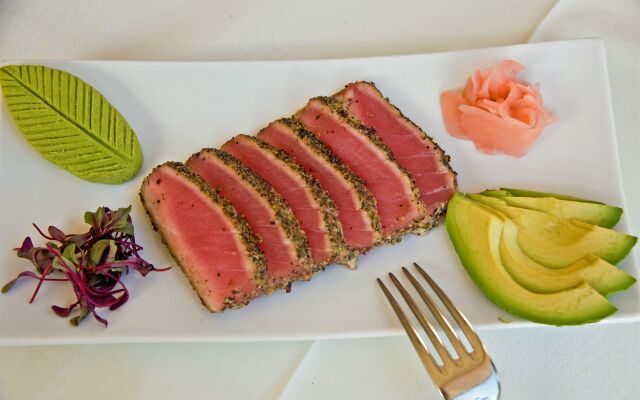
589 362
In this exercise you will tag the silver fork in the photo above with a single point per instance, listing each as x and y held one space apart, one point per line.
470 375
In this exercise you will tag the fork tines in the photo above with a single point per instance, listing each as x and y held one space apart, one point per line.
475 362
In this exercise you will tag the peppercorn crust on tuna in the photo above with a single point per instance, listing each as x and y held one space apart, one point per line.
309 202
360 148
356 205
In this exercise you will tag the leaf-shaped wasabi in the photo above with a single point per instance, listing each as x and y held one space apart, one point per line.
71 124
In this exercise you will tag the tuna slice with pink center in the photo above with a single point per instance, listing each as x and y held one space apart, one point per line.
414 150
310 203
398 202
280 237
356 205
206 236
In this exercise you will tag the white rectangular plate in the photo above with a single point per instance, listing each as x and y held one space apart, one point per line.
178 108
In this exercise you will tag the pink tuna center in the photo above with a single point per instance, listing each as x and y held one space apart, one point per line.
390 187
292 188
206 244
413 151
277 248
356 225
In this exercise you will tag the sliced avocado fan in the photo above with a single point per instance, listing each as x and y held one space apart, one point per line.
556 242
476 233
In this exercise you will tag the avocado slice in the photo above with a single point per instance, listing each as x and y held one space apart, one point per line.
475 233
599 274
496 193
600 214
533 193
557 242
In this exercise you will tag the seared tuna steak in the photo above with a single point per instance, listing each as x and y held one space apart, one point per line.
356 205
211 242
280 237
398 202
311 205
414 149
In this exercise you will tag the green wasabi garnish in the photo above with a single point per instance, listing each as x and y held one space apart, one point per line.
70 123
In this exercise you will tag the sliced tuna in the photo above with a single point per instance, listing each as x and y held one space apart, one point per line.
310 203
360 148
206 236
280 237
414 150
356 205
